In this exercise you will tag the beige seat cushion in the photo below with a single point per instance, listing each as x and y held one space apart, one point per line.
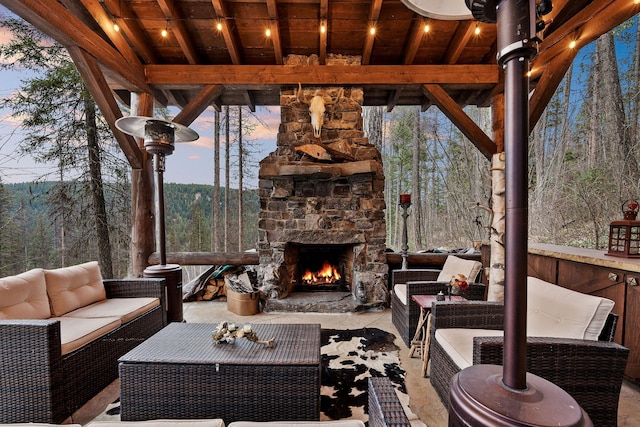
73 287
124 308
24 296
554 311
337 423
401 292
76 332
454 265
40 425
216 422
458 343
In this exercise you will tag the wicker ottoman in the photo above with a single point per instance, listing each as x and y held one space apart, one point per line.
181 373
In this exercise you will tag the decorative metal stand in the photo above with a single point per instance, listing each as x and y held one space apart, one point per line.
159 137
405 203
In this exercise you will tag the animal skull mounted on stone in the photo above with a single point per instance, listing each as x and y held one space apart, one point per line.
317 108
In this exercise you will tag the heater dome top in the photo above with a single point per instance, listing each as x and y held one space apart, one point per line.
135 126
440 9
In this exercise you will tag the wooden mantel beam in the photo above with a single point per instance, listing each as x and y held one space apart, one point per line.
477 76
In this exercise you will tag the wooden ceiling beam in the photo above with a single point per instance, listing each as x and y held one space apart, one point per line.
249 100
99 88
549 81
413 43
374 14
120 10
392 100
272 11
470 76
53 19
597 18
106 24
202 100
459 41
229 38
179 30
460 119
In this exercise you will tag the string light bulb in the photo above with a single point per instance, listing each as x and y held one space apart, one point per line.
268 32
477 30
219 26
426 28
323 28
165 31
372 31
572 45
116 27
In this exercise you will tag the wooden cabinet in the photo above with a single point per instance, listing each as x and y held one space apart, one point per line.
592 272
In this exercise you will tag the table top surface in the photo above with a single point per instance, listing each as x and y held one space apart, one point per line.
425 301
192 343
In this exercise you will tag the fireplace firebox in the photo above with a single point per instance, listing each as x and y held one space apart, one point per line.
320 267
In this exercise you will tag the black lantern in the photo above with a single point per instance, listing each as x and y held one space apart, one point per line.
624 235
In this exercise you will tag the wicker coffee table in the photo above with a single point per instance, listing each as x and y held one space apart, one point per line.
181 373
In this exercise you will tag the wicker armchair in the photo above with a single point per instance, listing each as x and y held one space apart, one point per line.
405 313
590 371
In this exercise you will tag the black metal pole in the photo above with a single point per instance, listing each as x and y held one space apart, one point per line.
158 161
515 24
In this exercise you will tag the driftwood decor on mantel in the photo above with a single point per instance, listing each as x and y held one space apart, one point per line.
284 168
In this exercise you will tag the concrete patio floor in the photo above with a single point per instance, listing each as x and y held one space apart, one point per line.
423 400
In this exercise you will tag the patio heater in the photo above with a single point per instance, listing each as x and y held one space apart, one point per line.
490 395
159 137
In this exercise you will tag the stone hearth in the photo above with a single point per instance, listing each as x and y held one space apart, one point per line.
323 193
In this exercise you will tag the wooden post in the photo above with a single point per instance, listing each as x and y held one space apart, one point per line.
142 202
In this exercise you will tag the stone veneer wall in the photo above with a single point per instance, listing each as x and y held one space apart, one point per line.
306 201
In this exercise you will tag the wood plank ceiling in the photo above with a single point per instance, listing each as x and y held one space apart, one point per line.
217 52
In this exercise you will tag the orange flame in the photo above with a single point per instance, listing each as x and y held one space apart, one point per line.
327 274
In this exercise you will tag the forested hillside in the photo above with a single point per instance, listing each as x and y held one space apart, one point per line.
31 235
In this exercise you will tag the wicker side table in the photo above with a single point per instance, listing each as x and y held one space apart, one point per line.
181 373
421 339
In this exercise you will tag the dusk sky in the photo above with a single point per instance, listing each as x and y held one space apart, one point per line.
190 163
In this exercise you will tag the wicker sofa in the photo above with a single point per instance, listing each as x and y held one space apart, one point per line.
405 313
569 343
63 331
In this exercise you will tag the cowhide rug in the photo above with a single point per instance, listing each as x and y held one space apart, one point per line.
349 357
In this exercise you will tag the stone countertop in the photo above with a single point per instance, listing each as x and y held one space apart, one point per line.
587 256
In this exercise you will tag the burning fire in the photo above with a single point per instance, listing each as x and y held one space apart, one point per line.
327 274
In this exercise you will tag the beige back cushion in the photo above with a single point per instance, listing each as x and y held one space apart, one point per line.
24 296
454 265
74 287
554 311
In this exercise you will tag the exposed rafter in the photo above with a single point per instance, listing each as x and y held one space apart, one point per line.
374 15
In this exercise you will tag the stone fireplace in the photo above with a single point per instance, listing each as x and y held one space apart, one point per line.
322 202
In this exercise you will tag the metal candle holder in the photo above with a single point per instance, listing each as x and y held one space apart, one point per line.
405 203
